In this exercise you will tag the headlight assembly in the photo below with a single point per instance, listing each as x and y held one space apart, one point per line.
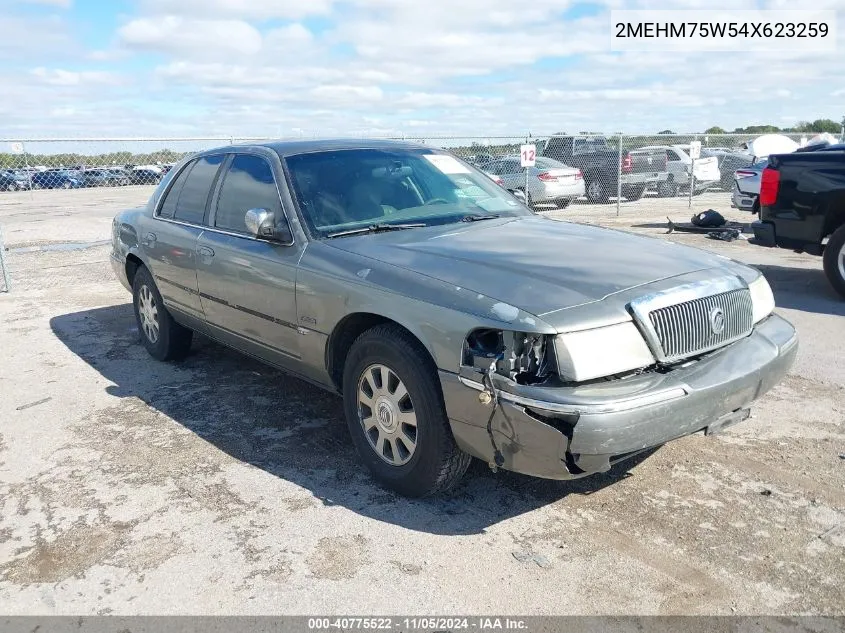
762 299
601 352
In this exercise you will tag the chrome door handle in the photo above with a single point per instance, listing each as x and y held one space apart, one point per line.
205 251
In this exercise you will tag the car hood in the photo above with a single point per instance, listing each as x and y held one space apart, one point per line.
536 264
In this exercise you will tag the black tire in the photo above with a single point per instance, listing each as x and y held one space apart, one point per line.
173 341
633 193
596 192
834 260
11 187
667 189
562 204
436 464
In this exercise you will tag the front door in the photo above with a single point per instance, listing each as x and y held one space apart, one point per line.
247 285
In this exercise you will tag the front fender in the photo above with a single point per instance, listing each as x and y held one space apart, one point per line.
332 284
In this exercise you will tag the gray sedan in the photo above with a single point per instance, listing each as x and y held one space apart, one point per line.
453 321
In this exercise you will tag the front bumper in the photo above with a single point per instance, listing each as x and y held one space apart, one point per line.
565 433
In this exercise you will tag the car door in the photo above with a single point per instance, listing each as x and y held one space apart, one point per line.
170 243
248 285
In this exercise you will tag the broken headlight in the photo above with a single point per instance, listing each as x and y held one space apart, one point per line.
601 352
524 357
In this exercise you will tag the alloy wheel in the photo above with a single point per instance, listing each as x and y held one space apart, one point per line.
148 311
387 415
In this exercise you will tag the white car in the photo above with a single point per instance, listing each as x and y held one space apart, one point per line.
678 165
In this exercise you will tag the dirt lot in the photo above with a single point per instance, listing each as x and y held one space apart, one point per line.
218 485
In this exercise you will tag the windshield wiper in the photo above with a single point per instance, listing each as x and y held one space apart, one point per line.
376 228
477 218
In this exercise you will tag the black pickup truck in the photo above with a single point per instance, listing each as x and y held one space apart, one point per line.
802 207
602 165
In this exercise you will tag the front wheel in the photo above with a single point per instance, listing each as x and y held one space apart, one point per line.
834 260
396 415
161 335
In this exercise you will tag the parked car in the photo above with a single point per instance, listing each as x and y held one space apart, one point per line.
802 207
677 176
453 321
728 162
56 179
745 195
13 181
601 165
549 181
144 176
105 178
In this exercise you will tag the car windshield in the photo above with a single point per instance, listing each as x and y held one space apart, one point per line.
342 190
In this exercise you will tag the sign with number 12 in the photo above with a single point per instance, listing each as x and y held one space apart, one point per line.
528 155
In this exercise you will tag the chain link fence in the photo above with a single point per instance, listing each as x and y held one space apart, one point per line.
585 173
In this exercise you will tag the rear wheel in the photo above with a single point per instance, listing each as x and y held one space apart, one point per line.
667 189
633 193
834 260
66 184
161 335
396 416
597 192
562 204
11 187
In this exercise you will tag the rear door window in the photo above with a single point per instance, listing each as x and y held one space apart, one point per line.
193 198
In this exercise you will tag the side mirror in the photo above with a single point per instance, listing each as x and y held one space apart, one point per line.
262 224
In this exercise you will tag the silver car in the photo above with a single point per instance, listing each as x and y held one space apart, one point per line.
453 321
549 181
746 190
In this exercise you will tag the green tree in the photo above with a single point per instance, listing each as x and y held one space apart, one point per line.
757 129
666 132
715 130
824 125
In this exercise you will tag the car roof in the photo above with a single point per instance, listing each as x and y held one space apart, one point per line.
306 146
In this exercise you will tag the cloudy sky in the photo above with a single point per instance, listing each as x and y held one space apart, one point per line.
415 67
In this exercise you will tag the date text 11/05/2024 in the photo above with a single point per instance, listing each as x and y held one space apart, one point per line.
439 624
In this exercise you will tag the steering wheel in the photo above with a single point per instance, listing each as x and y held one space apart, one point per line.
437 201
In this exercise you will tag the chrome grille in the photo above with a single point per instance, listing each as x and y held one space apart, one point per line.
690 328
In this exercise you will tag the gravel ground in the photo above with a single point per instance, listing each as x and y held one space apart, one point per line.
220 486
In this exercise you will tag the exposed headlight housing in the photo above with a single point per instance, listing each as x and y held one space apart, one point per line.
762 299
601 352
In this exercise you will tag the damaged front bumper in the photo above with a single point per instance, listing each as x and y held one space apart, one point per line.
570 432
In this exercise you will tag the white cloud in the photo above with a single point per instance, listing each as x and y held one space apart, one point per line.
60 77
192 37
437 67
240 9
62 4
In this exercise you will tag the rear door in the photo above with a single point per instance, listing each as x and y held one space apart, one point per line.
170 244
248 285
